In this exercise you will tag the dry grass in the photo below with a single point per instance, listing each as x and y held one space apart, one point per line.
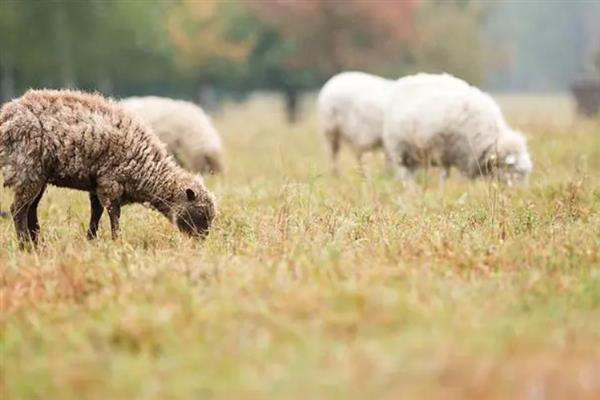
312 287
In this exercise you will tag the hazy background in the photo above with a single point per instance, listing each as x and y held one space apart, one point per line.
209 50
311 286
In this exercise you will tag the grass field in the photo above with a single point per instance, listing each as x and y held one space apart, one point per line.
311 287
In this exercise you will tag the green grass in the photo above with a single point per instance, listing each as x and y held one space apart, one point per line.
314 287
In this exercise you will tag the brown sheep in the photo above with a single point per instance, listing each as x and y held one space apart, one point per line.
86 142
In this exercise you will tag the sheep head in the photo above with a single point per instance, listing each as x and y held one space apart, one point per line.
195 209
512 163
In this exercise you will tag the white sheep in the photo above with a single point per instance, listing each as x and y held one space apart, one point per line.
452 125
350 107
186 130
406 89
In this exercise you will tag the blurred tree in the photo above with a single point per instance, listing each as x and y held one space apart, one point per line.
92 44
118 44
448 39
36 41
181 47
9 45
598 58
303 42
206 46
201 32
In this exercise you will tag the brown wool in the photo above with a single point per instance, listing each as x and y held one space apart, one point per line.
87 142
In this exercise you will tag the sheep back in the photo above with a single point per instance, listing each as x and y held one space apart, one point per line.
72 139
185 128
351 104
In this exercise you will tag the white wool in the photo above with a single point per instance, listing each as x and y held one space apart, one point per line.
440 120
350 109
183 126
407 89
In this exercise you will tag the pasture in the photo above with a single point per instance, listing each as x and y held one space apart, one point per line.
314 287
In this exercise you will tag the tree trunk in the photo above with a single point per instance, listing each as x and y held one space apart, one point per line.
7 77
104 80
104 84
291 104
208 98
63 45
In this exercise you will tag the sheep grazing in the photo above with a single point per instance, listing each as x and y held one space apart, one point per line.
86 142
186 130
452 125
351 106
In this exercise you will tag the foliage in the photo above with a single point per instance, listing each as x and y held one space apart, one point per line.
159 46
202 35
92 44
300 44
448 39
330 35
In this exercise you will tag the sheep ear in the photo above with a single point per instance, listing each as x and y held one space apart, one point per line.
191 195
510 159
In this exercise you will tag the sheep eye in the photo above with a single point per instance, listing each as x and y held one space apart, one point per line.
191 195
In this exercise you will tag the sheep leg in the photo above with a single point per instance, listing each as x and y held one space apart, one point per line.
333 138
96 211
33 225
109 193
361 165
114 213
405 174
389 164
444 175
20 212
